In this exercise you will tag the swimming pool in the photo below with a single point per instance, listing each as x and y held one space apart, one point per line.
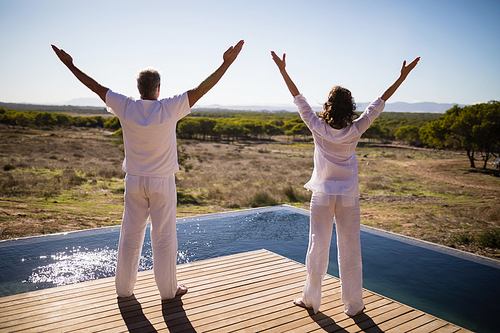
452 285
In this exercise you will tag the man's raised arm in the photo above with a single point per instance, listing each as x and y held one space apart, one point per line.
84 78
229 56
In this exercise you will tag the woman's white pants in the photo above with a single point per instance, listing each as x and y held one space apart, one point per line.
144 197
345 210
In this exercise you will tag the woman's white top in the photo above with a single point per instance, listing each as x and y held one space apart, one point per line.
335 165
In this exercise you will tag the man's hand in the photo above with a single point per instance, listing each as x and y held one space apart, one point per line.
63 56
84 78
232 52
229 56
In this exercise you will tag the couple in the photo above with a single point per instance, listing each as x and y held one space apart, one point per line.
149 134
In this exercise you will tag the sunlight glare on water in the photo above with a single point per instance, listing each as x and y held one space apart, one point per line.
75 266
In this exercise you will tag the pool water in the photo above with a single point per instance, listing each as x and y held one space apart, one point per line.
449 284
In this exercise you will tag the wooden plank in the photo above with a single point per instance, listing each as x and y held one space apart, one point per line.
243 314
431 326
332 311
393 319
375 304
245 292
448 328
420 321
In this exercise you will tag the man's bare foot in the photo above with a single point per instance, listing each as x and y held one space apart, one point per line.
181 290
299 302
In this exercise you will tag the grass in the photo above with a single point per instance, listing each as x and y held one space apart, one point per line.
71 179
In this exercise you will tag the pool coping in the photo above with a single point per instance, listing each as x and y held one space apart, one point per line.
402 238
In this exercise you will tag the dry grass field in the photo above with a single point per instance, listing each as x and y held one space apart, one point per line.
70 179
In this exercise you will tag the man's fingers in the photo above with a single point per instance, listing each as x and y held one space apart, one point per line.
414 62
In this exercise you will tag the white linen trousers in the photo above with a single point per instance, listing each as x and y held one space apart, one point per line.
144 197
345 210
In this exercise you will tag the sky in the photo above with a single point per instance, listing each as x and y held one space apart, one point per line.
357 44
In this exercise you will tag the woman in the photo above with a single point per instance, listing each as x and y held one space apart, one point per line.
334 184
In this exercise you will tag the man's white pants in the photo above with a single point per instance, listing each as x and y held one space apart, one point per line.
144 197
345 210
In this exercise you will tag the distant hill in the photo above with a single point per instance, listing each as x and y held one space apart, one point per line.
69 109
86 102
96 106
427 107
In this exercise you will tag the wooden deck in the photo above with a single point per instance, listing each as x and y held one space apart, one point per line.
247 292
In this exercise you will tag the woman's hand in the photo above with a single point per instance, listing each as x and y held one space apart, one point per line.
279 62
405 70
281 65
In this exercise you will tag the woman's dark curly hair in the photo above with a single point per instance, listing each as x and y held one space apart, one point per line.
338 110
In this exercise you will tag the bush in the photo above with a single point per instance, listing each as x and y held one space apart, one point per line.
118 133
463 238
119 190
290 193
262 199
8 167
215 193
112 123
490 238
185 198
73 178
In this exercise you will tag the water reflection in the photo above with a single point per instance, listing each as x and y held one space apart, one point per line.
73 266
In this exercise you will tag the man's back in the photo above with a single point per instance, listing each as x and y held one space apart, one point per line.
149 132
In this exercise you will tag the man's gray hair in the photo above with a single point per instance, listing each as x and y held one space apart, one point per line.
148 81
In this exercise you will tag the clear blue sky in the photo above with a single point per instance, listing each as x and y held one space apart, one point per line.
357 44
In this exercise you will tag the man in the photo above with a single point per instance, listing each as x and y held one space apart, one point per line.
150 163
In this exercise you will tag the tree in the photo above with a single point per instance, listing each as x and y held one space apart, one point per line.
408 134
375 131
253 127
188 127
288 125
299 129
434 134
271 129
24 119
45 119
63 120
487 133
112 123
207 127
231 128
474 128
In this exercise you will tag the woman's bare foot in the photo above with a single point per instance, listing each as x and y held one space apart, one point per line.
299 302
181 290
